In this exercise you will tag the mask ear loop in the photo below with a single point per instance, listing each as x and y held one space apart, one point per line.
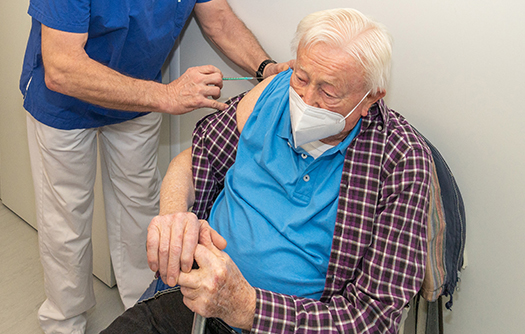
350 113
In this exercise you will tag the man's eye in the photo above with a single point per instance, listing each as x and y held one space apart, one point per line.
301 82
328 94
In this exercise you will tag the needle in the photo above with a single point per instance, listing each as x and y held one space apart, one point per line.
241 78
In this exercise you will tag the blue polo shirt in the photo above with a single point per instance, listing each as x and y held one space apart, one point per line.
133 37
278 207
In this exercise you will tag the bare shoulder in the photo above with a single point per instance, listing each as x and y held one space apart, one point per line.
246 105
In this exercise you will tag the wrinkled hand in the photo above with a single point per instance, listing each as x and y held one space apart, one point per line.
172 240
193 89
218 289
272 69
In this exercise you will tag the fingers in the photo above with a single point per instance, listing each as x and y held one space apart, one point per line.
170 257
218 289
198 87
171 244
209 236
172 241
202 285
218 240
209 103
189 243
193 279
290 63
196 286
156 243
204 75
152 246
272 69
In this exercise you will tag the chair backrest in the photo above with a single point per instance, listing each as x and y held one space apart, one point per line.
446 232
435 270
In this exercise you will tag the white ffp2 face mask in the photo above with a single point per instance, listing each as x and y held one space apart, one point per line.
312 123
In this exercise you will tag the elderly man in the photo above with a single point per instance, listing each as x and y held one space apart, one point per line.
316 196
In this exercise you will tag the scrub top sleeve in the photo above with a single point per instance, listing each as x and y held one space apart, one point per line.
65 15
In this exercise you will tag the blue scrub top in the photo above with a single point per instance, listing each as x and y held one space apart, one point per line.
133 37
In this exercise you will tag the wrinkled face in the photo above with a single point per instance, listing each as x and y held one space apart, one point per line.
329 78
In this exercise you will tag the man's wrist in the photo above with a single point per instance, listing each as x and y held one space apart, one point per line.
262 66
249 314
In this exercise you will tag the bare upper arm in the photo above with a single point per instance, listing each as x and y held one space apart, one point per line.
213 14
61 52
246 105
57 43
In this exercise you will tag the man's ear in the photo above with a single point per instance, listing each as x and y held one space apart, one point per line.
377 96
370 100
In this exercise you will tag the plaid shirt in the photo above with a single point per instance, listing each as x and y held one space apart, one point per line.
377 262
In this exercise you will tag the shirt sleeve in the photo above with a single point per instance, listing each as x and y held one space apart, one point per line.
214 148
388 271
65 15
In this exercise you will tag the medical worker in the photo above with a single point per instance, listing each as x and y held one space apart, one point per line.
91 77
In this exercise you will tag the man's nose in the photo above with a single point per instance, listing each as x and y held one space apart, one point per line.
309 97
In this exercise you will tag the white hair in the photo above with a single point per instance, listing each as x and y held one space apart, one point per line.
365 40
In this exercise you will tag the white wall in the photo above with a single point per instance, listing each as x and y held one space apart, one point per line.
15 176
458 71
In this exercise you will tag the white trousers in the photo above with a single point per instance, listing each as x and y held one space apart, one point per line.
63 164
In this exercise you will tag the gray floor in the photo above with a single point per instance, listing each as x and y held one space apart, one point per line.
22 284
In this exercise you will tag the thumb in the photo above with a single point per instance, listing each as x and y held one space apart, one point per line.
214 104
290 63
205 255
218 240
209 236
283 67
193 279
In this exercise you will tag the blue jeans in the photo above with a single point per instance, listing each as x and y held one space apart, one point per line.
156 288
161 310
